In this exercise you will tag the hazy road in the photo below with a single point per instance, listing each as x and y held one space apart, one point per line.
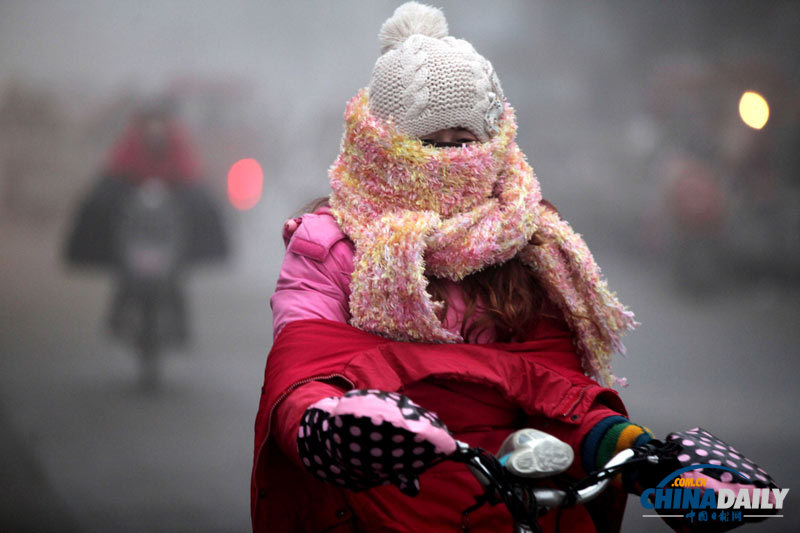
118 459
84 450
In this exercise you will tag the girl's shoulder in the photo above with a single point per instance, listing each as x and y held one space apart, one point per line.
317 236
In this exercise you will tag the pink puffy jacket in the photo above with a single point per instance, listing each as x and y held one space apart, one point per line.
314 281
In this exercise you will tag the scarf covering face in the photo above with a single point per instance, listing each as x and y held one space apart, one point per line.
415 211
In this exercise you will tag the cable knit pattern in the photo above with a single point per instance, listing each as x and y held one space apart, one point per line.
416 94
430 81
482 74
415 211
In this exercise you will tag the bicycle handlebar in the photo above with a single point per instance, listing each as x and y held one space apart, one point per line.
553 498
547 497
526 501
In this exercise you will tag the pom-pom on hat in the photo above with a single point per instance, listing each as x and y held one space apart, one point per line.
427 81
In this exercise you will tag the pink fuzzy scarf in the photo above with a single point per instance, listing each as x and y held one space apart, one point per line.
415 211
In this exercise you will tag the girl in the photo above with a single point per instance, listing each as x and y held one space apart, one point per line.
435 275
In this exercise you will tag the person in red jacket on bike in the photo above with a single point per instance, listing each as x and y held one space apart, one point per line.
154 145
154 148
434 275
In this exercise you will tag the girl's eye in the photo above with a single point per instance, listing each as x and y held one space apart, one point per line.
443 144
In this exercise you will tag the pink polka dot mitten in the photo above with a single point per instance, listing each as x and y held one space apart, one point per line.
698 446
704 461
368 438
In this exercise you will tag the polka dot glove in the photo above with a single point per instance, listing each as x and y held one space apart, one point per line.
698 446
368 438
728 469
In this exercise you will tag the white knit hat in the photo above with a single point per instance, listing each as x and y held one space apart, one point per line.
427 81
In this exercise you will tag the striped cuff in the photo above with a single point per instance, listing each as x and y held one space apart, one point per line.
609 437
591 442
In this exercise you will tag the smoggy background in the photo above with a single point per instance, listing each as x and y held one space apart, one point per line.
628 112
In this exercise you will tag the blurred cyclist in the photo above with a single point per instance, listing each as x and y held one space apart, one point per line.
150 193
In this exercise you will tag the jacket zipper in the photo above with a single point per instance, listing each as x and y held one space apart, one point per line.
286 393
577 401
292 387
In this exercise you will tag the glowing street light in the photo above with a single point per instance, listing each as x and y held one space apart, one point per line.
754 110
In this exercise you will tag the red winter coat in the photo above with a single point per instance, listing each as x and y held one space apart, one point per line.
132 159
482 392
537 376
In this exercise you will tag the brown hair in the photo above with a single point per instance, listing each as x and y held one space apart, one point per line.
511 297
509 294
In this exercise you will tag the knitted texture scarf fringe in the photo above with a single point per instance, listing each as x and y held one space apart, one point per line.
415 211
